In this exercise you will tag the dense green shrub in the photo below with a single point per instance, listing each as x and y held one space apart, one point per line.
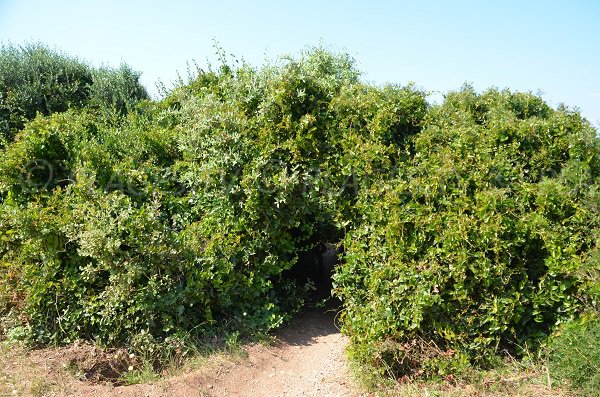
116 89
36 79
478 246
189 213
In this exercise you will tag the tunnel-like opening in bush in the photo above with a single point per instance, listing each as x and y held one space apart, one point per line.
314 266
313 271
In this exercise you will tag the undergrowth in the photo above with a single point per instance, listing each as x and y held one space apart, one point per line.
574 356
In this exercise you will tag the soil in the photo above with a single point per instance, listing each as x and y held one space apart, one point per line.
307 358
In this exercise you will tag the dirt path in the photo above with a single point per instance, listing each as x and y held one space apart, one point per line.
307 359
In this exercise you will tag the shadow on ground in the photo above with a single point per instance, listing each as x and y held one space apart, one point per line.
311 324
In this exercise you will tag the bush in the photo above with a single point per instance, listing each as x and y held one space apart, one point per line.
116 89
468 229
189 214
481 244
36 79
86 240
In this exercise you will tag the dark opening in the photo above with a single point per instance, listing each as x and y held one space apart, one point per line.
314 270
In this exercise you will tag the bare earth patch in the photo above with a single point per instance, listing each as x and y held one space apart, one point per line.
306 359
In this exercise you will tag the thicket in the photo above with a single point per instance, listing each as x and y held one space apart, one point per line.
485 240
468 229
37 79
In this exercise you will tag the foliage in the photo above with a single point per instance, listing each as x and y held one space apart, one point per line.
468 229
478 246
37 79
116 89
575 356
34 78
186 215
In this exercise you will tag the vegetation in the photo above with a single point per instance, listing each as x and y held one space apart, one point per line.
483 242
468 230
575 356
36 79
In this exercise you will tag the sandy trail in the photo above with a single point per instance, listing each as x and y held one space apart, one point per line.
307 360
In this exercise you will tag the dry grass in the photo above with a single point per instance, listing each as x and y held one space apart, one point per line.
512 380
86 370
20 375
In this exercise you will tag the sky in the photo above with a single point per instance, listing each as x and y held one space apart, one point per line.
548 47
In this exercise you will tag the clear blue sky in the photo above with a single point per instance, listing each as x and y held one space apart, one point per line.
530 45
